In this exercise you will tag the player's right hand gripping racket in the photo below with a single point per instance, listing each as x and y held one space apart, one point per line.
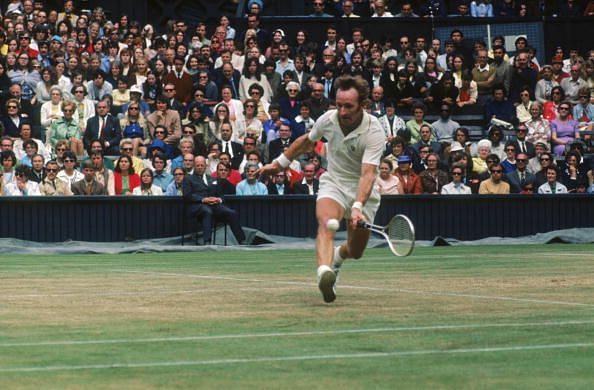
399 233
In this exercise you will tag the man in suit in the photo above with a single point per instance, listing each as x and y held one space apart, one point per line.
234 149
198 189
89 185
181 80
518 178
426 135
104 127
228 76
309 185
523 146
277 146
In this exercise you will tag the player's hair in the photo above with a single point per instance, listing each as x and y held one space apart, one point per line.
347 82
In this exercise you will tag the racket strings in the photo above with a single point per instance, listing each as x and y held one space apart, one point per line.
401 235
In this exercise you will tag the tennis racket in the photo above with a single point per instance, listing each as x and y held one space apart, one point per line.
399 234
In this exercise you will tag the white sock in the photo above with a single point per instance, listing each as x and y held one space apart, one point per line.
323 268
337 258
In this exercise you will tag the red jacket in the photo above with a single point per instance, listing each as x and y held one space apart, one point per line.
133 182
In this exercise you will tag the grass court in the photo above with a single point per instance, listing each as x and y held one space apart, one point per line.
445 317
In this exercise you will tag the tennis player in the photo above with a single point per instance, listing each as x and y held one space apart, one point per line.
355 143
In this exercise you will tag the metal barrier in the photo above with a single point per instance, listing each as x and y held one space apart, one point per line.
109 219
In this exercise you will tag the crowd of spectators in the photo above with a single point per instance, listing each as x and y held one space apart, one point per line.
92 106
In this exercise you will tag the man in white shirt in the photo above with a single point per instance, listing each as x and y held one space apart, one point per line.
355 144
22 186
380 10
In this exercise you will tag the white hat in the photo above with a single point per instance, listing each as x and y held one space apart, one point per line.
456 146
484 143
136 88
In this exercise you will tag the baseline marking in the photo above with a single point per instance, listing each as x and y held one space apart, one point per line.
268 359
297 334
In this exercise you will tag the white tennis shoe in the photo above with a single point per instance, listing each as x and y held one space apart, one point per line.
327 283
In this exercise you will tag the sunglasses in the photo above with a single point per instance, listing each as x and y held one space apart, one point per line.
20 174
12 107
168 89
60 149
79 91
178 174
199 95
545 159
510 150
563 108
69 160
255 93
133 108
496 171
127 149
50 170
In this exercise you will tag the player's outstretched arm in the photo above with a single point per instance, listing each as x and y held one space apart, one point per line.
298 147
366 182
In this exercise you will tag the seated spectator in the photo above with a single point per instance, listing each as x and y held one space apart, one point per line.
279 184
443 92
167 117
523 108
197 190
552 186
51 110
303 122
520 177
572 85
37 169
85 108
97 88
391 123
158 142
161 177
545 85
275 148
500 107
126 149
456 186
404 93
564 130
21 186
551 107
222 185
70 174
479 163
539 129
50 185
9 161
387 183
521 143
574 174
397 148
135 127
66 128
427 140
232 175
409 181
433 178
104 127
262 106
25 131
175 188
102 173
250 186
289 105
30 148
495 135
583 112
146 187
13 118
414 124
545 160
444 127
253 74
494 185
212 159
272 125
309 185
120 95
463 160
248 119
124 180
509 162
89 184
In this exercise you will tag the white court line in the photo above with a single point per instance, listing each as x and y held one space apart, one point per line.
269 359
88 293
382 289
298 334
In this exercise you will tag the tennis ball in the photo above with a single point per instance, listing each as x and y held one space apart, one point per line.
333 224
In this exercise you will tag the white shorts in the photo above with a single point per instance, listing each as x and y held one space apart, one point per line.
345 195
